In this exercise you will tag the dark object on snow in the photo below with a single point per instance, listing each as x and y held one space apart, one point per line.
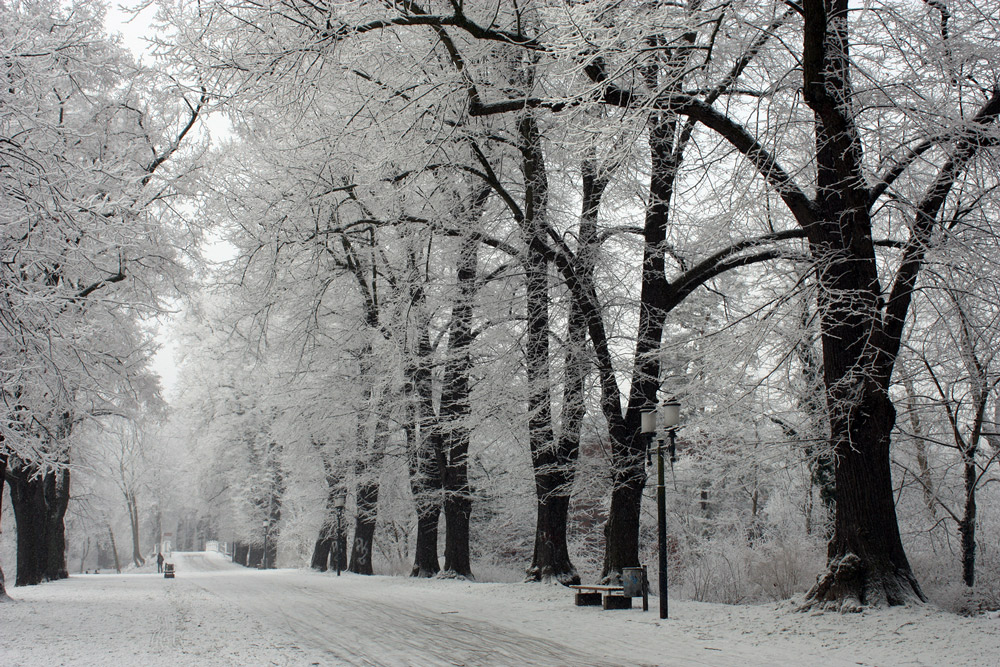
168 570
587 596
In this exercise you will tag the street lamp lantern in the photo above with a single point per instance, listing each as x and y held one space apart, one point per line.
647 421
671 413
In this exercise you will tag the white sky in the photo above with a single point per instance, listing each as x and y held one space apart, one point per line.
132 31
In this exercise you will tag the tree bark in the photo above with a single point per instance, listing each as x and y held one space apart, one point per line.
554 485
867 563
133 514
56 492
241 554
321 551
3 480
967 526
423 434
113 545
255 555
553 465
628 471
328 531
454 417
27 497
364 527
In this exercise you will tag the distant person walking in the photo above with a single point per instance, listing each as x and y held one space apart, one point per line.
159 563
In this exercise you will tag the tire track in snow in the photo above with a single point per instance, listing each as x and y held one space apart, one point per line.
355 630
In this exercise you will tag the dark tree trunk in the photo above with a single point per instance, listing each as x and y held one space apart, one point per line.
423 436
255 555
3 478
366 499
321 553
551 560
457 512
27 497
457 492
552 463
273 532
56 490
425 470
241 553
967 526
84 552
628 452
324 543
113 549
867 564
364 528
553 488
454 419
425 551
133 514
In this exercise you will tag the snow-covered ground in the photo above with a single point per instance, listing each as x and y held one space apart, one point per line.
217 613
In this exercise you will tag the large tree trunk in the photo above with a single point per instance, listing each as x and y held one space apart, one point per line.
328 531
867 564
866 558
321 551
423 435
27 497
133 514
457 510
454 419
241 553
114 560
364 527
628 471
552 465
255 555
3 478
366 500
554 485
425 472
56 490
967 526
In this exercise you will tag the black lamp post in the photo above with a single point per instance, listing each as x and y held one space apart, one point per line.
267 524
339 503
671 417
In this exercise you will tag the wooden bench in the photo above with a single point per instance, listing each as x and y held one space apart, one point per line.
612 596
168 570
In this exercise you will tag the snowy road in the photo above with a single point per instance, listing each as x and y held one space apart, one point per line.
369 630
217 613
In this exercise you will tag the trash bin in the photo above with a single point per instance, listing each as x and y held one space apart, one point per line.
632 581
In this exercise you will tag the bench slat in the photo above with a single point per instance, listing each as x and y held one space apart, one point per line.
598 587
